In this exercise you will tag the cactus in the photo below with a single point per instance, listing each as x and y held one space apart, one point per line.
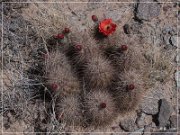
68 110
96 69
60 78
98 72
93 84
99 107
127 91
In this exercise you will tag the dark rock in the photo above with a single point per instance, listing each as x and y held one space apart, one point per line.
126 28
165 111
173 121
173 40
147 11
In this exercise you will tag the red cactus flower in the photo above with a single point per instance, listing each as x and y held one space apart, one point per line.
103 105
123 47
54 86
66 30
78 47
107 27
130 87
94 18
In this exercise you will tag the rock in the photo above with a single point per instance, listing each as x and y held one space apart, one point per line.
126 28
177 78
164 133
128 125
177 59
93 4
140 120
164 112
169 37
147 11
150 104
173 40
116 128
173 121
133 28
158 76
143 120
19 5
166 39
13 27
169 30
115 15
148 129
137 132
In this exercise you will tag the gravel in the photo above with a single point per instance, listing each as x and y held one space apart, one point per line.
164 112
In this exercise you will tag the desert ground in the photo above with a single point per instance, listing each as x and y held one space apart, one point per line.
150 25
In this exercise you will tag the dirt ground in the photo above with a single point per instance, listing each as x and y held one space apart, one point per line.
25 30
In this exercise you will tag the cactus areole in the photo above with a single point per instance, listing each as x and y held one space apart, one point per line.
103 105
66 30
130 87
59 36
54 86
78 47
123 47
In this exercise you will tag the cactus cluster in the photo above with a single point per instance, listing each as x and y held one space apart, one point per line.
92 79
